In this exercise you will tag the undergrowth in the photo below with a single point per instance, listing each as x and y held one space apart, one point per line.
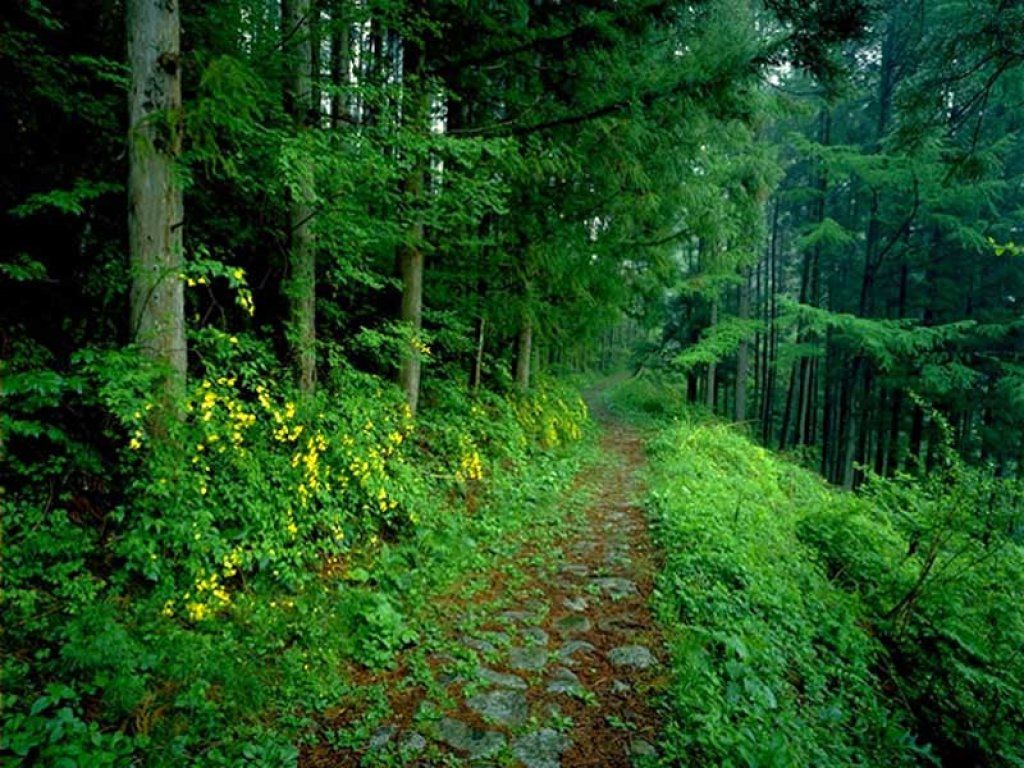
813 626
304 536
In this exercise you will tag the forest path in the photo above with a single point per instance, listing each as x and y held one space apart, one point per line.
569 667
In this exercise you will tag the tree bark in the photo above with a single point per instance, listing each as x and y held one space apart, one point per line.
300 288
524 351
155 206
710 390
410 257
742 362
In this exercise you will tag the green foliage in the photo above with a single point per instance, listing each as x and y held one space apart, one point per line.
771 664
815 626
303 536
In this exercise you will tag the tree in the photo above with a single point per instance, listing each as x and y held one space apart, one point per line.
297 41
155 205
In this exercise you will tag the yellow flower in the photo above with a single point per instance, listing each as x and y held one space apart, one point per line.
134 444
233 339
239 274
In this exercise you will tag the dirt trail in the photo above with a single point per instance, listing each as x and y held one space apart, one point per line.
568 670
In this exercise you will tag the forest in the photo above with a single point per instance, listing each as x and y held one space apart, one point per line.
527 383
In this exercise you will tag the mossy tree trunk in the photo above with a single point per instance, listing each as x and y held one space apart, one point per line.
155 207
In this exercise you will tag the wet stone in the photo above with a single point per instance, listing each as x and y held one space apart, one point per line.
412 743
483 645
520 616
575 603
535 635
634 656
571 648
616 587
620 624
565 681
507 708
575 569
642 748
501 679
382 736
620 686
573 623
542 749
476 744
531 658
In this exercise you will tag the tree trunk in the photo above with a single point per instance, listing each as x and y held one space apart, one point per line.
155 207
710 391
478 362
300 288
341 44
742 362
411 251
524 351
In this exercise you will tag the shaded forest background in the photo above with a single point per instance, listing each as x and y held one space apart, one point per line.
279 276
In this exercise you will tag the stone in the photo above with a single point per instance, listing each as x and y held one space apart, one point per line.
616 587
642 748
634 656
573 623
531 658
505 707
516 616
535 635
476 744
412 743
571 648
541 749
620 687
624 623
478 644
575 569
502 679
575 603
382 736
565 681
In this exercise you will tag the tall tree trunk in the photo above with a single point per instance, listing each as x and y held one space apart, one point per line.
742 362
478 360
300 288
770 366
341 44
710 391
524 351
155 207
411 258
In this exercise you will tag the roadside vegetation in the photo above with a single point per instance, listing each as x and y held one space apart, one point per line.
814 626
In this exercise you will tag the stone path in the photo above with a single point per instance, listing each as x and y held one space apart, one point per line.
566 675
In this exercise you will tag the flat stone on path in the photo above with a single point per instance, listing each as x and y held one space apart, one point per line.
573 623
575 569
642 748
531 658
412 743
381 737
536 635
502 679
565 681
635 656
476 744
620 624
575 603
520 616
571 648
542 749
616 587
483 645
504 707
